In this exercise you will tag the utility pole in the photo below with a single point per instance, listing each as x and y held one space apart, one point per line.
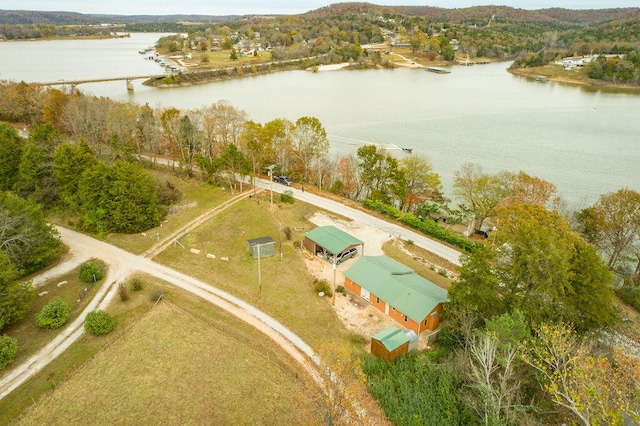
270 168
259 271
333 301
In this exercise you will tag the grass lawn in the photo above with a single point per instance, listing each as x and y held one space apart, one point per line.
197 198
286 292
32 338
180 362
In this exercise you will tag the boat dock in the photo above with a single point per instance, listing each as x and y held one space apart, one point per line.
438 70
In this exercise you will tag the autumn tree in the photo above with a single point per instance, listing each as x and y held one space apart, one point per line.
379 174
532 190
533 262
479 192
346 174
235 166
613 224
309 144
596 388
422 183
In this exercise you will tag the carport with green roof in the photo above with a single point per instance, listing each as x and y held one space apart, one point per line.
329 239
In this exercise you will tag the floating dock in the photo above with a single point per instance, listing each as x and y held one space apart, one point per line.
438 70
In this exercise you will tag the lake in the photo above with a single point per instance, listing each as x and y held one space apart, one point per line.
585 141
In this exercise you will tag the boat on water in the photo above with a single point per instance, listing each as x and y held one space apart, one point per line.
437 70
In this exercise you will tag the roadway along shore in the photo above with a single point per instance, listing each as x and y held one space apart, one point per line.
420 240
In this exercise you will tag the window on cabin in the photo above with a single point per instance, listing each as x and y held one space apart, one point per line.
377 300
405 318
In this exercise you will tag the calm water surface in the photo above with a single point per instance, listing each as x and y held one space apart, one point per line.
587 142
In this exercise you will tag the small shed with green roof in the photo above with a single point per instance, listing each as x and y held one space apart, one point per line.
324 241
390 343
395 289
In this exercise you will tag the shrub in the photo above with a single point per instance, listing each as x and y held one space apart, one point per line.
54 314
287 197
99 323
91 269
123 292
136 284
630 295
358 339
323 286
287 233
426 226
341 289
8 350
156 295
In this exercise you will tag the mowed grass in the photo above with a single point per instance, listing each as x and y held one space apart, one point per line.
197 198
287 291
30 337
180 363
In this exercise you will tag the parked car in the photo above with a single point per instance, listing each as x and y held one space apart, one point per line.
283 180
343 255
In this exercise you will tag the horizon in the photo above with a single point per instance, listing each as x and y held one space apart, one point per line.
278 7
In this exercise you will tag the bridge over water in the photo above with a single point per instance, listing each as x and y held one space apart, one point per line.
128 80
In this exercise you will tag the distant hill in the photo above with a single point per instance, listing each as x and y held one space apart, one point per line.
29 17
25 17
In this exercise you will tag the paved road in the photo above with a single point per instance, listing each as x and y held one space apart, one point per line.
420 240
121 264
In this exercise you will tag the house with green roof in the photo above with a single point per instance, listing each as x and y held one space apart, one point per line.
326 241
393 288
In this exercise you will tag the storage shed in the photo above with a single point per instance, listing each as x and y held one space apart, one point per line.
393 288
329 239
389 344
265 246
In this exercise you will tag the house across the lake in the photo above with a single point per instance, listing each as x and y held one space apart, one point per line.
393 288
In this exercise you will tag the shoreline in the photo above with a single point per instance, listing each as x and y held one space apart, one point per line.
578 80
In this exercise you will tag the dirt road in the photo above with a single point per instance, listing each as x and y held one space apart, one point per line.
121 264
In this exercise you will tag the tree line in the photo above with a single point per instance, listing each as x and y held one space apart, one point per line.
525 315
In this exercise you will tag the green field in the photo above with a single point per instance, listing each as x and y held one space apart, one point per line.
180 363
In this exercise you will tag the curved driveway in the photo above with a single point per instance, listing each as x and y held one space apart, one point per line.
122 263
420 240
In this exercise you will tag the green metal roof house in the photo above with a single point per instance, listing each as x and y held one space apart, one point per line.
396 290
329 239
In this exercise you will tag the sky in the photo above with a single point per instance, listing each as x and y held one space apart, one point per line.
246 7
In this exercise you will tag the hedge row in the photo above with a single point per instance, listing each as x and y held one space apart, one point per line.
427 227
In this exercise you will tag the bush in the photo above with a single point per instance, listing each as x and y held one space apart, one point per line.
358 339
287 233
89 270
123 292
630 296
341 289
136 284
54 314
99 323
323 286
8 350
426 226
287 197
156 295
